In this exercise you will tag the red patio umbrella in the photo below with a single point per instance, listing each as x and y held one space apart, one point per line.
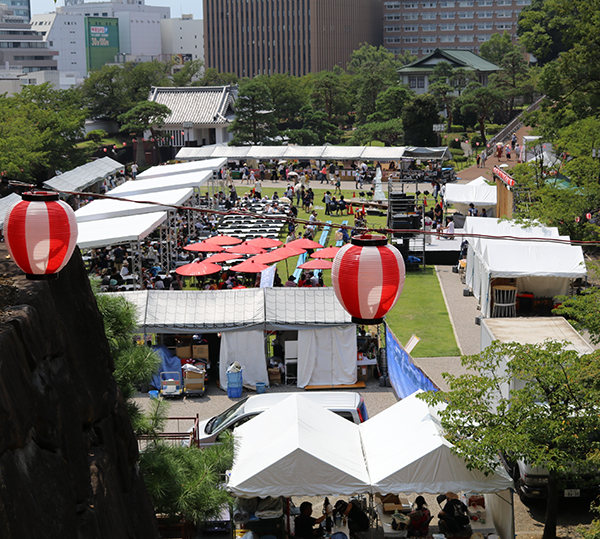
278 254
221 257
327 252
246 249
304 243
224 240
249 266
197 269
203 247
264 243
320 263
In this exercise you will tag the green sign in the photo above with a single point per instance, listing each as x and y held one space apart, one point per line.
101 41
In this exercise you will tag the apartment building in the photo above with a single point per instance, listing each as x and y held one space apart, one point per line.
182 39
287 36
420 27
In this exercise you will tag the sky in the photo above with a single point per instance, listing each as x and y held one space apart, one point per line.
177 6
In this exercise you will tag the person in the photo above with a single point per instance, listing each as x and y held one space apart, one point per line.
483 158
449 228
473 211
453 518
483 212
338 185
134 169
304 524
438 213
291 282
420 518
478 158
258 188
513 141
332 173
125 269
507 148
358 521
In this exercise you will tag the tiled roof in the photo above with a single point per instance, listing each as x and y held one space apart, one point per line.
201 105
457 58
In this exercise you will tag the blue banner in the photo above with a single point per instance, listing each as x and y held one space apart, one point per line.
405 376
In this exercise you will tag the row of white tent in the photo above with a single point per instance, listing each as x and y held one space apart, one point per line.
478 192
528 255
105 222
323 153
311 451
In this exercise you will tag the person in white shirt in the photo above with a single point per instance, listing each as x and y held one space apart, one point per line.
125 269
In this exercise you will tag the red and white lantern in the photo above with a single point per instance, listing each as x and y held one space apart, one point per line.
368 277
41 234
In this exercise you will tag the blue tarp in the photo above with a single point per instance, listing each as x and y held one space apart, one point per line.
169 363
405 376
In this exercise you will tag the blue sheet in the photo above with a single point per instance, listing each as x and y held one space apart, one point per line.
169 363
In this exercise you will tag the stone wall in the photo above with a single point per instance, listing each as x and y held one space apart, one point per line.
68 454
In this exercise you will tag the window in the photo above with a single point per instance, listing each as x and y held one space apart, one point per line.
429 16
428 5
465 38
465 14
504 26
411 28
446 4
466 27
411 16
482 38
392 40
504 2
412 82
427 51
523 2
485 26
420 82
447 39
485 2
411 39
429 27
447 15
447 27
392 5
413 5
504 14
429 39
392 28
485 14
394 17
466 3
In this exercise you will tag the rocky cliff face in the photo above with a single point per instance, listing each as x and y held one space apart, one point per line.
67 450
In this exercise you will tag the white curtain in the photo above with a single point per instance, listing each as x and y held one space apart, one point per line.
500 505
327 356
248 349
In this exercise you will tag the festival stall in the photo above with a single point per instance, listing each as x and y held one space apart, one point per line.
477 192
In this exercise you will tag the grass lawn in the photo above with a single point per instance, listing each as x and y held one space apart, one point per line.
420 310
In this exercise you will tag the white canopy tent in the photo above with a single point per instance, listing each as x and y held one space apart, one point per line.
327 350
540 267
423 460
109 209
315 152
81 177
478 192
179 181
103 232
310 451
6 203
182 168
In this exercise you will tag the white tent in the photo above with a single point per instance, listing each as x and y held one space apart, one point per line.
178 181
103 232
107 209
478 192
181 168
85 175
309 451
541 267
406 452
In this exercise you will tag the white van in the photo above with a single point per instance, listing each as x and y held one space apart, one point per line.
349 405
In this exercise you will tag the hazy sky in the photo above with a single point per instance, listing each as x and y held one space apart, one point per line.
177 6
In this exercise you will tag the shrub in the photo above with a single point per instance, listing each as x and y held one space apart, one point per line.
492 129
97 135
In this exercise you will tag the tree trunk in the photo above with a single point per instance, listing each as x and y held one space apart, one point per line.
551 507
140 155
482 131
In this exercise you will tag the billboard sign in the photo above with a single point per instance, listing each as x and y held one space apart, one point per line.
101 41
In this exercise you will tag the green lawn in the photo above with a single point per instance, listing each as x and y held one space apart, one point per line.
420 310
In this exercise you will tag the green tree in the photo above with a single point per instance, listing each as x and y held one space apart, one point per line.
582 311
482 101
255 121
390 132
315 129
551 420
375 70
290 95
542 30
187 74
390 103
212 77
418 119
330 94
442 90
497 47
144 116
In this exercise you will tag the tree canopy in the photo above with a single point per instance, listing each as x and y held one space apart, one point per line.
549 418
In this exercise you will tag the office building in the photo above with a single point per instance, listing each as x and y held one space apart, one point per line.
21 9
182 39
287 36
421 27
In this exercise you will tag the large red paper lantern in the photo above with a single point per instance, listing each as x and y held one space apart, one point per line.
41 234
368 277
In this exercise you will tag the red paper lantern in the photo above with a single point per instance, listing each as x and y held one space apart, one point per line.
41 234
577 219
588 216
368 277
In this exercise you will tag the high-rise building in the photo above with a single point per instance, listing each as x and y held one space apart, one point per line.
287 36
419 27
182 39
21 9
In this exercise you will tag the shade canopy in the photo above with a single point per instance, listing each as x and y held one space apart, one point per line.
249 266
221 257
317 264
327 252
294 459
194 180
197 269
85 175
478 192
204 247
223 240
264 243
245 249
278 254
304 243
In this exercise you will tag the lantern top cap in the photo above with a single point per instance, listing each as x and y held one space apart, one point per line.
39 196
369 240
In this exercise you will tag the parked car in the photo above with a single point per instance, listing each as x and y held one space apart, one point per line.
347 404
